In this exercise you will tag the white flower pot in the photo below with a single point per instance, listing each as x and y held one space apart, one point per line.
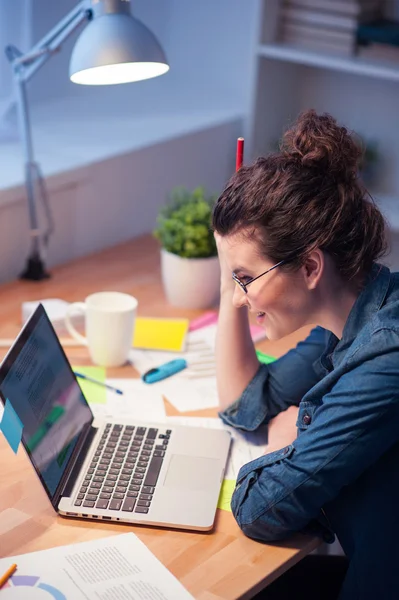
190 282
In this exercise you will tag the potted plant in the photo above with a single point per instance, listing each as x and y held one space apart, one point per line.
189 262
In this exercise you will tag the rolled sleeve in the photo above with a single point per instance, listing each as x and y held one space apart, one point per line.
278 385
357 422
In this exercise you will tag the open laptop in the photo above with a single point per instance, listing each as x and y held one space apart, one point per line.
141 473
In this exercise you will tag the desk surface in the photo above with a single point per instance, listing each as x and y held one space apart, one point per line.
222 564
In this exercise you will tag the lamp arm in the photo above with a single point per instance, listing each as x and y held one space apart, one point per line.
25 65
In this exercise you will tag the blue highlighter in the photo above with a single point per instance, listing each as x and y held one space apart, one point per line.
165 370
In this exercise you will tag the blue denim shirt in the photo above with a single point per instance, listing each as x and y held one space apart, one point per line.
341 474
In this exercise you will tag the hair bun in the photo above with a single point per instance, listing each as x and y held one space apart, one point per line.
318 142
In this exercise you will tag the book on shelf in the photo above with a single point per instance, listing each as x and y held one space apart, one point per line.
379 52
318 17
355 8
382 31
304 30
326 18
318 45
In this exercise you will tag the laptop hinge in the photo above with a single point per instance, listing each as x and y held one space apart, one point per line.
76 462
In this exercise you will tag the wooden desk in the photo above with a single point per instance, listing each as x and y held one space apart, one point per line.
222 564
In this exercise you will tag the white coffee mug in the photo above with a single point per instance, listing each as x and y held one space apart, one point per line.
109 323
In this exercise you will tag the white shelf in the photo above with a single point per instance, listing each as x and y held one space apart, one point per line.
353 65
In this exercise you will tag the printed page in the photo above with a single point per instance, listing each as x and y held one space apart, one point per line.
114 568
139 402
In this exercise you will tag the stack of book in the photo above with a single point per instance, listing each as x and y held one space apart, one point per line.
327 26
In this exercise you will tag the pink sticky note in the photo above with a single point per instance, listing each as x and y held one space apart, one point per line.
208 318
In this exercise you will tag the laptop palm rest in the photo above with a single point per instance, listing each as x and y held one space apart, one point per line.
192 473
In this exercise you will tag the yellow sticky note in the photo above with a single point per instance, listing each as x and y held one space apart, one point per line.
94 393
160 334
226 493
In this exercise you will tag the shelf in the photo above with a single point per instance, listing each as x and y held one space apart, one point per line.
353 65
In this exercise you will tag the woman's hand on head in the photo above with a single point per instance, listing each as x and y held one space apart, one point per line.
226 282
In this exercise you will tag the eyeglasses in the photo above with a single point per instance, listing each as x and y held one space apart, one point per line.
244 286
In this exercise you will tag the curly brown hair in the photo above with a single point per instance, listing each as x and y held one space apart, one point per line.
307 195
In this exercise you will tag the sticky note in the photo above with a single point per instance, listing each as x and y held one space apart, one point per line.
226 493
160 334
11 426
208 318
94 393
265 358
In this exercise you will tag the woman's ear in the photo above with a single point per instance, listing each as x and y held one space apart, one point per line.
313 268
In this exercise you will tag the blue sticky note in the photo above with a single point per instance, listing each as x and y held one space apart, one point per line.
11 426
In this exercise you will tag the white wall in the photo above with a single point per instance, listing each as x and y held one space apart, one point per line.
116 199
208 45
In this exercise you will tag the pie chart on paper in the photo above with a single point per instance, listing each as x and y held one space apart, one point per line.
29 587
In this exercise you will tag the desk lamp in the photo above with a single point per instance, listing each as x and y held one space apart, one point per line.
113 48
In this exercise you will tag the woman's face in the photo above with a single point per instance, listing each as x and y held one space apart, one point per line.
281 301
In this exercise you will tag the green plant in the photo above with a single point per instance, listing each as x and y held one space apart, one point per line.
184 224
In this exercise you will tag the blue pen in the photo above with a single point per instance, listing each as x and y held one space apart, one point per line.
165 370
106 385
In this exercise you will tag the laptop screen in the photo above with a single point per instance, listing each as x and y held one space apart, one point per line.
38 381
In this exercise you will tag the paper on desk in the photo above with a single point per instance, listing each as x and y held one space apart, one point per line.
112 568
190 394
245 446
139 401
195 387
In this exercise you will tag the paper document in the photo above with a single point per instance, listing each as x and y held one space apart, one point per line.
113 568
139 402
193 388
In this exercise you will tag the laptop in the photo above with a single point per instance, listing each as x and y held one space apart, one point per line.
122 471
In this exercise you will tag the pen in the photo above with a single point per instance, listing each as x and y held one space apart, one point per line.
7 575
106 385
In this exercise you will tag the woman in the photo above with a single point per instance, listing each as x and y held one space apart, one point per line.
298 242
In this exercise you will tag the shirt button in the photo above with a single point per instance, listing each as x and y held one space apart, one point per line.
307 419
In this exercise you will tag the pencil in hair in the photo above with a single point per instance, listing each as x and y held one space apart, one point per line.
239 153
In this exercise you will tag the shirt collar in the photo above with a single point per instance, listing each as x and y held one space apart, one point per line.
367 304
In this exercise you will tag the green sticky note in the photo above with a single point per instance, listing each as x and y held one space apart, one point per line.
226 493
93 392
265 358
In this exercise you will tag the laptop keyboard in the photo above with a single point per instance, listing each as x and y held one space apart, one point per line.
124 471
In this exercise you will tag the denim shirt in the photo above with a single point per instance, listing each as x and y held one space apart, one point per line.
341 474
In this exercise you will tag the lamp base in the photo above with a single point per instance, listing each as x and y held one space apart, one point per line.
35 269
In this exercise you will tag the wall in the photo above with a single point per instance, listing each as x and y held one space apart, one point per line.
208 45
117 199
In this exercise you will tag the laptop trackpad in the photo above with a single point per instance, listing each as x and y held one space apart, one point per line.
192 473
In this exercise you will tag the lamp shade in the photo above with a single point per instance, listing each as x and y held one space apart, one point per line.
116 48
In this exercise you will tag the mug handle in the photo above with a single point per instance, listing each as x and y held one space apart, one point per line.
75 307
